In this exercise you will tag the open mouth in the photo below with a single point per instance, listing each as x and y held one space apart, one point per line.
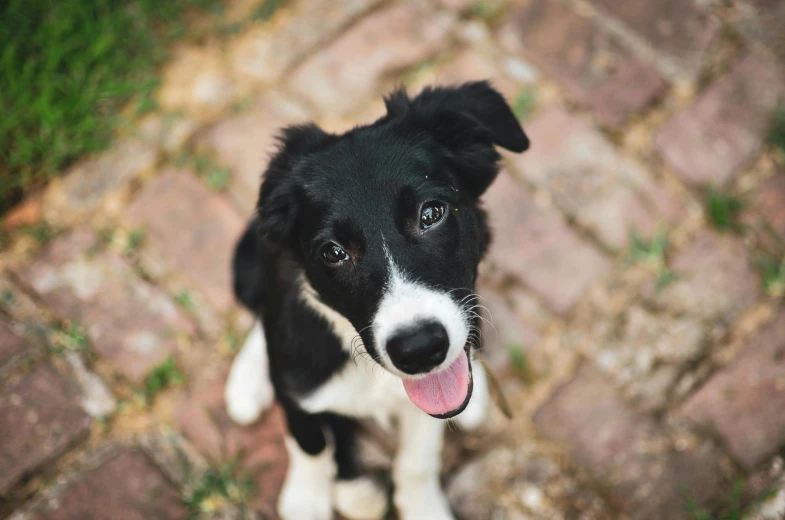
445 393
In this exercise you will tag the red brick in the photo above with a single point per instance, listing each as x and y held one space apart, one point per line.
536 246
605 192
194 228
517 320
41 419
11 345
771 203
744 402
128 321
716 281
244 143
351 69
644 476
711 141
680 31
592 66
202 417
127 487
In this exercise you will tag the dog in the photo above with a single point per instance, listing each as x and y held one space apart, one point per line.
361 265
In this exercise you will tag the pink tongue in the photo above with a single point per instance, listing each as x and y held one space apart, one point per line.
441 392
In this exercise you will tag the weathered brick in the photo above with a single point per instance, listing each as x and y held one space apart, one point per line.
771 203
127 487
202 417
197 81
11 344
263 55
194 228
744 402
536 246
643 351
679 31
644 476
591 65
715 280
350 70
89 181
128 321
590 181
244 143
472 65
41 419
759 21
711 141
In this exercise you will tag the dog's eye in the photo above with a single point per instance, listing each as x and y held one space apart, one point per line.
432 213
333 254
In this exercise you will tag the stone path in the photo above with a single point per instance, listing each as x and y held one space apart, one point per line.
647 376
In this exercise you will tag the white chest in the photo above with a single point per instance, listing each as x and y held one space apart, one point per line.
362 390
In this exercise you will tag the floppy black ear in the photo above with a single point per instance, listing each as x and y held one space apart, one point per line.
468 120
277 207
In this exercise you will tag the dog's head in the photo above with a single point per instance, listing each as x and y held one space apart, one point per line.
385 224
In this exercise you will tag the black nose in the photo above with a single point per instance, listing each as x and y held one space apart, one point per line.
420 348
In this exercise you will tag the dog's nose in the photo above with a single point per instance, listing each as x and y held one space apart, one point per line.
420 348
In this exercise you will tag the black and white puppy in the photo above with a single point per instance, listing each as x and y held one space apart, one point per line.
361 265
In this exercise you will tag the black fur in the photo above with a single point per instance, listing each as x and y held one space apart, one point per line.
363 190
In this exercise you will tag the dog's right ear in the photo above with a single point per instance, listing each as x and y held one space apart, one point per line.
278 196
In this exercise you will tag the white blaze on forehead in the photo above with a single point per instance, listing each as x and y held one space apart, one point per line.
406 303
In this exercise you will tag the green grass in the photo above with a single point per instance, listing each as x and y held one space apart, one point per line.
185 300
524 104
215 488
216 176
776 135
733 509
724 210
66 68
651 254
134 239
773 276
165 375
71 337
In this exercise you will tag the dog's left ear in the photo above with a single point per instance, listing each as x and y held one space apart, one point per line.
467 120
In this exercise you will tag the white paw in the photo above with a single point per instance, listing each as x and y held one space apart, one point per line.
360 499
477 410
297 503
423 500
306 489
248 389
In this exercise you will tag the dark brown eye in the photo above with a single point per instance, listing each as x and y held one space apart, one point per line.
333 254
432 213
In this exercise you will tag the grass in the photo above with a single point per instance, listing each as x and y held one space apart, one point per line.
732 510
164 376
71 337
185 300
216 487
651 255
216 176
773 276
66 70
724 210
776 134
524 104
134 239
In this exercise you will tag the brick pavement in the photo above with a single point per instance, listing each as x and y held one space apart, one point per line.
636 395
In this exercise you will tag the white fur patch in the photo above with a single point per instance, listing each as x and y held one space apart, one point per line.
248 390
360 499
405 303
306 489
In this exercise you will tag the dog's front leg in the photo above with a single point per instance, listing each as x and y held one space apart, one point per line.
306 492
418 492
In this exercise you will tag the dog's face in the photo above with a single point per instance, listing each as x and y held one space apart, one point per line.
385 224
